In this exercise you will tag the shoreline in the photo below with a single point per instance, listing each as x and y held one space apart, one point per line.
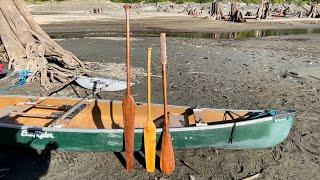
77 16
170 24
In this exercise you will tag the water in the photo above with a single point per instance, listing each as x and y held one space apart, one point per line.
207 35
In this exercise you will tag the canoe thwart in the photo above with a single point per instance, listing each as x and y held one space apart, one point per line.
64 107
177 120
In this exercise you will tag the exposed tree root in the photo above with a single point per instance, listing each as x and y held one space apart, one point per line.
28 47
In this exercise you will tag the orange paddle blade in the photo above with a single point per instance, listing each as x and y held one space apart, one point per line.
128 107
150 128
150 146
167 162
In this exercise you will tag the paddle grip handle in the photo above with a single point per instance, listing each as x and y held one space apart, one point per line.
163 48
163 52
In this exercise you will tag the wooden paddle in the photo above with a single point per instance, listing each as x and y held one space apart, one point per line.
128 104
150 128
167 162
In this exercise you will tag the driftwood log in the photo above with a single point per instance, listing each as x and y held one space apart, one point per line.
28 47
236 14
263 10
216 11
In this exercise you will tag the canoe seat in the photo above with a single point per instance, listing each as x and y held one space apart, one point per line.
198 116
177 120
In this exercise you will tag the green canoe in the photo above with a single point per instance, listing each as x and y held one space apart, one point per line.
96 125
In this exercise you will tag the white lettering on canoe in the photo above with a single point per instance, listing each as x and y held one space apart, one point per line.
36 134
98 82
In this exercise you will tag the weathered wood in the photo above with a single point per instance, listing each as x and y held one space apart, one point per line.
236 14
62 86
313 13
216 11
28 47
263 10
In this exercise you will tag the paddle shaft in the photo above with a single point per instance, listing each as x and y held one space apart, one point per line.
149 84
128 105
128 50
163 50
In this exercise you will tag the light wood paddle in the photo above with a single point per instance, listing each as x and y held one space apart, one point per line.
128 104
150 128
167 162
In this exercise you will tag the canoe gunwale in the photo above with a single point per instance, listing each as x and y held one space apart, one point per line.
137 103
140 130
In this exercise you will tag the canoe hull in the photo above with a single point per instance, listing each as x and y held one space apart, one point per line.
252 134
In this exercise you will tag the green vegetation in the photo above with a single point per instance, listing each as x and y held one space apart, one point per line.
34 1
43 0
205 1
197 1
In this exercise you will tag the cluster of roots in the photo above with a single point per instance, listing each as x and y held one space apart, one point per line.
28 47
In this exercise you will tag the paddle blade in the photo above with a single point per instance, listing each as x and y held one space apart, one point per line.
150 146
167 162
128 107
104 84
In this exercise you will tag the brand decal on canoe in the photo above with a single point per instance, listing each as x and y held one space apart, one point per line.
97 82
36 134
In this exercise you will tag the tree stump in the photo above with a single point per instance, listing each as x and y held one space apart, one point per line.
236 14
286 11
263 10
216 11
313 13
28 47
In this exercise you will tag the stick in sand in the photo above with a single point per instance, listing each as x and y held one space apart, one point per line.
128 104
150 128
167 162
